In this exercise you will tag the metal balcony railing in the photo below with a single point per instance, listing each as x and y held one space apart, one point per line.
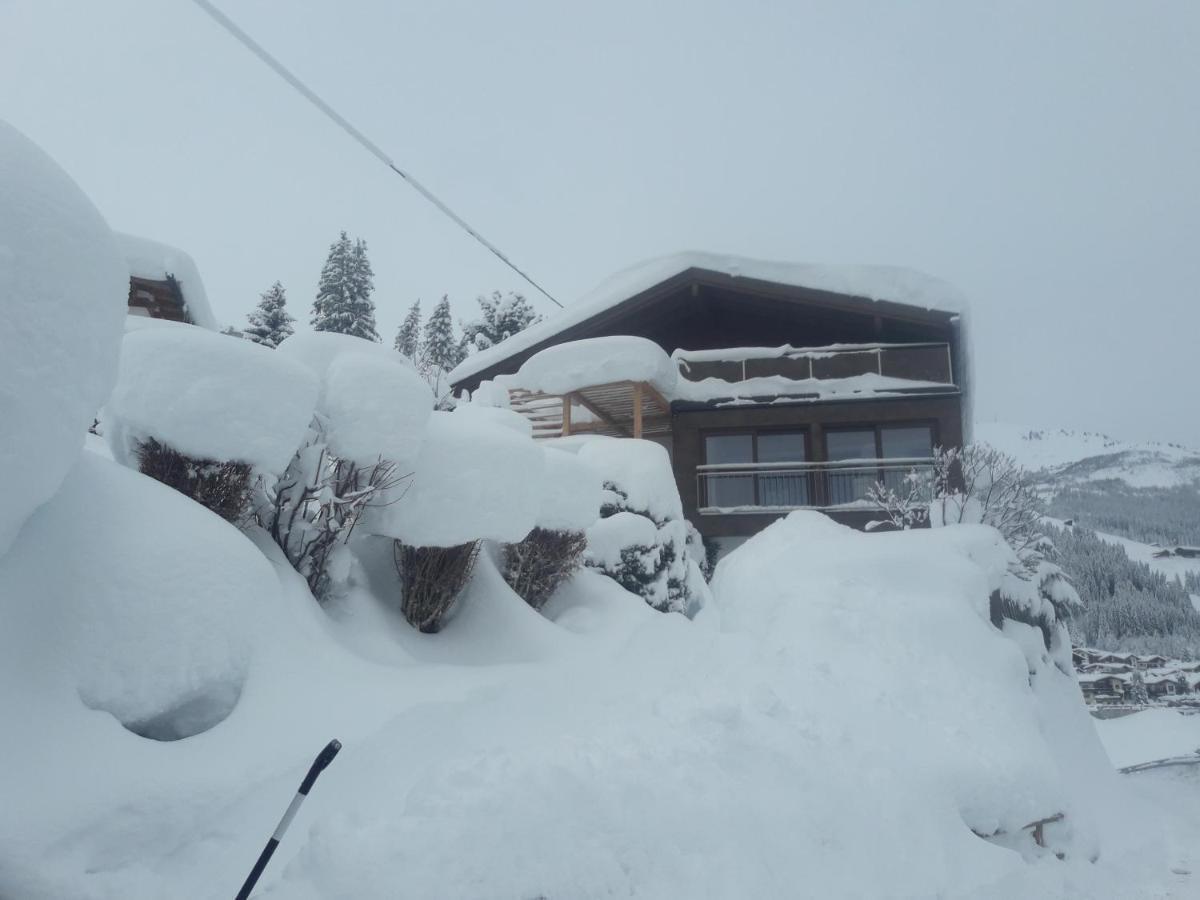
924 362
779 487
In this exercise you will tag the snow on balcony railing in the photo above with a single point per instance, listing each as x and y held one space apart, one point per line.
928 363
781 487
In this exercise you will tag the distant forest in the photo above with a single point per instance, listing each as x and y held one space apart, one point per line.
1167 516
1127 605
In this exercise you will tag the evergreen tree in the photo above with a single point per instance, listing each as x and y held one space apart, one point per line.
343 301
503 316
439 350
270 322
1137 690
408 338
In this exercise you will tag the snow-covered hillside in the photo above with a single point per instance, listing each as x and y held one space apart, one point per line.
1066 457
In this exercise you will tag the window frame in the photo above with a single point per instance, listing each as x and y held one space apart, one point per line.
805 431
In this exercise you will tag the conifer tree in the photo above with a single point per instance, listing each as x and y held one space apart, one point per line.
502 317
439 350
1137 690
343 301
270 322
408 338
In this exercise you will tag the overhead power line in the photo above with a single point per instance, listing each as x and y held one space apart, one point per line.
370 146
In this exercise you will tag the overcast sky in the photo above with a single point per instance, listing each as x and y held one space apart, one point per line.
1044 156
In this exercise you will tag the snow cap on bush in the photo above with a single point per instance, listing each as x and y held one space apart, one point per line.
318 349
641 468
63 290
570 493
471 480
374 408
209 397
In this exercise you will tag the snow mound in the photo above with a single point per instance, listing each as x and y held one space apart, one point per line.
570 492
154 261
63 291
603 360
868 607
471 480
496 415
155 631
642 469
209 396
374 408
612 534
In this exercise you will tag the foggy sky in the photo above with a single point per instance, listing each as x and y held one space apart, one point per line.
1044 156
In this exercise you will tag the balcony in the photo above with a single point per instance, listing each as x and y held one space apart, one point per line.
732 488
922 366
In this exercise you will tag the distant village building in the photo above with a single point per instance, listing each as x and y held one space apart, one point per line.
164 283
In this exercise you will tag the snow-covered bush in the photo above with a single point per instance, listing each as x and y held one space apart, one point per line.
208 397
641 541
980 485
223 487
370 418
63 291
431 579
538 565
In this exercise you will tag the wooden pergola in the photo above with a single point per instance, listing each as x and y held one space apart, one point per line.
619 408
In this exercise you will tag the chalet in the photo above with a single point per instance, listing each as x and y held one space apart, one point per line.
1182 552
792 387
1102 688
164 283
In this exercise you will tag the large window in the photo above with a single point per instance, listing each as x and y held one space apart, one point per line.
850 481
776 483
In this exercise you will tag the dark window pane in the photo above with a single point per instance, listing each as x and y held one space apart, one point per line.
728 448
783 488
857 444
781 447
907 442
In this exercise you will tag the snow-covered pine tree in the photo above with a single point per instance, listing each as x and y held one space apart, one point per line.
439 350
270 322
343 301
408 338
503 315
1137 690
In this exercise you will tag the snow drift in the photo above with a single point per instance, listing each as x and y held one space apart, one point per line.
63 290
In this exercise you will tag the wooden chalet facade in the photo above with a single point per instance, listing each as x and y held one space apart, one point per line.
157 299
796 397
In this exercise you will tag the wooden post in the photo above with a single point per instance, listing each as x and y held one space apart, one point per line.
566 415
637 409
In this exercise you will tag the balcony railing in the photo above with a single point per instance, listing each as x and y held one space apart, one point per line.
926 362
780 487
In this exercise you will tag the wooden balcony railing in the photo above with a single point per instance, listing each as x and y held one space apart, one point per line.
780 487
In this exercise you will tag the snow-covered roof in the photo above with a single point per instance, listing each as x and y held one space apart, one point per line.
891 284
154 261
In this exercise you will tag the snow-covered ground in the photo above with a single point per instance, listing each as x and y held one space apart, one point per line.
841 717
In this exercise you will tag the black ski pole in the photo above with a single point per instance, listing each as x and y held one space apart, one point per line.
324 758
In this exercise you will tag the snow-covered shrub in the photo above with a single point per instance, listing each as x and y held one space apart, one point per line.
223 487
472 479
370 418
200 412
980 485
902 508
536 566
641 540
431 580
311 510
208 397
63 291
